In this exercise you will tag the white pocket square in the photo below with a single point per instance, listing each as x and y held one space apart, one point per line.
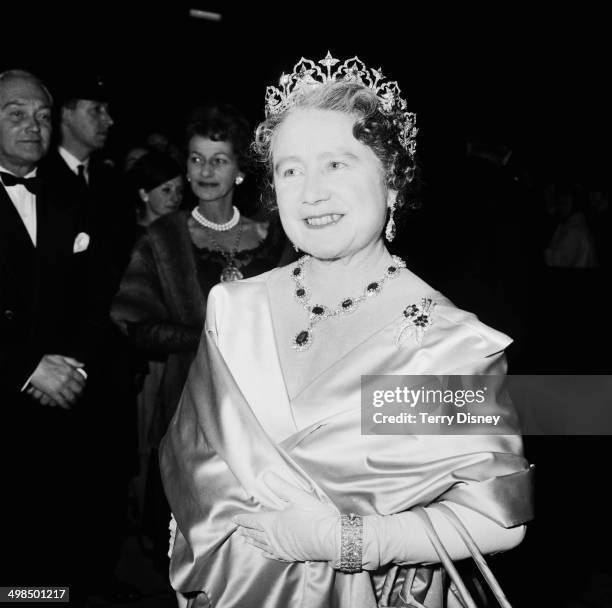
81 242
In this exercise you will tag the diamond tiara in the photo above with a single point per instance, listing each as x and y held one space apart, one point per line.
307 74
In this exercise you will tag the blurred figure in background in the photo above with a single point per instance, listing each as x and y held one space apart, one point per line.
160 142
598 203
152 142
157 141
156 186
131 156
572 244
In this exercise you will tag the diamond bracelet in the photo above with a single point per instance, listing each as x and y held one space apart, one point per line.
351 543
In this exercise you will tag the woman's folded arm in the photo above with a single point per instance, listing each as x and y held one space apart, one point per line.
401 538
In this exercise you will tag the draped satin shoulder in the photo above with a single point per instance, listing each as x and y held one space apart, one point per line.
235 422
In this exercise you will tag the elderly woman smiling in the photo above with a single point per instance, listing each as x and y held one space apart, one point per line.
279 499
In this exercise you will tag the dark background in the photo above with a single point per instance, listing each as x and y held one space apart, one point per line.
531 78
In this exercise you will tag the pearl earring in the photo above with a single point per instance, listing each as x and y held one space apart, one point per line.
239 179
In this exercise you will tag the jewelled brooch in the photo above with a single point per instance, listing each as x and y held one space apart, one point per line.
417 320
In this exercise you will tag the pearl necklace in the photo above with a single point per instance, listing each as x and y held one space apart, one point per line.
303 339
198 217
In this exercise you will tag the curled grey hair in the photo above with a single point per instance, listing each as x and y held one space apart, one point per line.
372 127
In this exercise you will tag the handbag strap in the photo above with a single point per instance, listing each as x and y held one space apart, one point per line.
487 574
445 558
473 549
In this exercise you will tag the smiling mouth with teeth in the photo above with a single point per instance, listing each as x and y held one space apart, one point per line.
324 220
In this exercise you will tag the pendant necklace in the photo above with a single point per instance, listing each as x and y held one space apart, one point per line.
230 271
316 312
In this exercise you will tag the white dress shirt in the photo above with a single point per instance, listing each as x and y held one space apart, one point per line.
25 203
73 162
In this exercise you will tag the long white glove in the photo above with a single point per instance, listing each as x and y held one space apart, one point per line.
305 530
309 530
401 538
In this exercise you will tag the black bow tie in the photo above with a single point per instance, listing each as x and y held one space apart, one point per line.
31 183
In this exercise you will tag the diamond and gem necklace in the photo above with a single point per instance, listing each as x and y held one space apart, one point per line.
316 312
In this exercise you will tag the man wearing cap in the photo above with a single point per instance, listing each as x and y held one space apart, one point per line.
47 324
78 168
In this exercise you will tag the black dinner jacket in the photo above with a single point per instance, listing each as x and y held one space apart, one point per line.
46 302
109 219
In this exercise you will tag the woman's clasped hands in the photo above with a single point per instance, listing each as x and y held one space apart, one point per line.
305 530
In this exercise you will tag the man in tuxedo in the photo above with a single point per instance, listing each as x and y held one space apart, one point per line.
47 324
